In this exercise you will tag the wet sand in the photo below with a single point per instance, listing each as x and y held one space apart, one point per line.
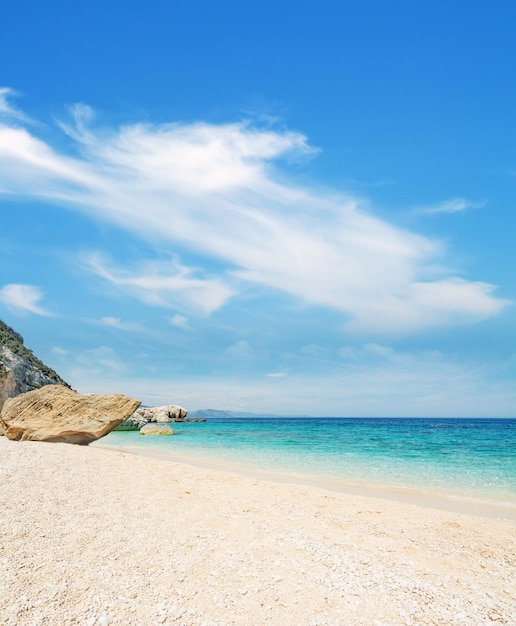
502 508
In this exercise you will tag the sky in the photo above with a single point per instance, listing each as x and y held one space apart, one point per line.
274 207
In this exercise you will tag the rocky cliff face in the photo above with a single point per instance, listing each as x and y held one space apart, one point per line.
20 369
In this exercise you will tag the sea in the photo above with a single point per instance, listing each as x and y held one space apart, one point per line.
467 465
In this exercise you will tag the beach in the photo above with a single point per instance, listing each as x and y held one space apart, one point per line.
91 535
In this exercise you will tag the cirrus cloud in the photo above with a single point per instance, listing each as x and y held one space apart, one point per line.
164 283
7 109
218 191
454 205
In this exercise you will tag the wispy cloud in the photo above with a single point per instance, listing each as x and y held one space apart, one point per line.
7 109
24 298
241 351
218 190
454 205
116 322
180 321
165 283
102 362
60 352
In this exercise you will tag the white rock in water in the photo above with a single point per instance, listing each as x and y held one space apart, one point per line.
168 413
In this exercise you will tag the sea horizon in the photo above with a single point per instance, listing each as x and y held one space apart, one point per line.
222 414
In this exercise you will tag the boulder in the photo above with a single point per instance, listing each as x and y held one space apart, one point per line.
163 414
156 429
156 414
56 413
133 422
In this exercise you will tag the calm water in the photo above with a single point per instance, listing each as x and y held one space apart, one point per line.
475 457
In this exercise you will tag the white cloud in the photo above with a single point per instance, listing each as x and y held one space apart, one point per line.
165 283
116 322
60 352
214 189
101 361
376 354
454 205
7 109
23 298
241 351
180 321
427 305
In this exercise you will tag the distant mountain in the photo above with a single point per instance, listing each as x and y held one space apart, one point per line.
20 369
207 413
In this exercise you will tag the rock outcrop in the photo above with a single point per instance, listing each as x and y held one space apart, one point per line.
7 383
133 422
172 413
20 369
157 414
56 413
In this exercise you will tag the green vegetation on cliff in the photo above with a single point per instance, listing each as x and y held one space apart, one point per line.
12 340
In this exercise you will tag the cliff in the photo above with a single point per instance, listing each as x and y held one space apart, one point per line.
20 369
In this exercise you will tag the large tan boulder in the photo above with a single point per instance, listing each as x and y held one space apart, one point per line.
56 413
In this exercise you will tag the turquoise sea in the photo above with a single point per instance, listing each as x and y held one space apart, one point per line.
461 459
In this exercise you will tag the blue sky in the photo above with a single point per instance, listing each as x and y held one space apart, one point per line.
297 208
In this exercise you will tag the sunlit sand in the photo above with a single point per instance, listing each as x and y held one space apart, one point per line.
97 536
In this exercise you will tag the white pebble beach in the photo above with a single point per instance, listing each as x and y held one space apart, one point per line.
96 536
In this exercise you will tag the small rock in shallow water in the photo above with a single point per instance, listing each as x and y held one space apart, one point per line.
156 429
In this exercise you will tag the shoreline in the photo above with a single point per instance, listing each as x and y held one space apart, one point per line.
425 496
98 536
